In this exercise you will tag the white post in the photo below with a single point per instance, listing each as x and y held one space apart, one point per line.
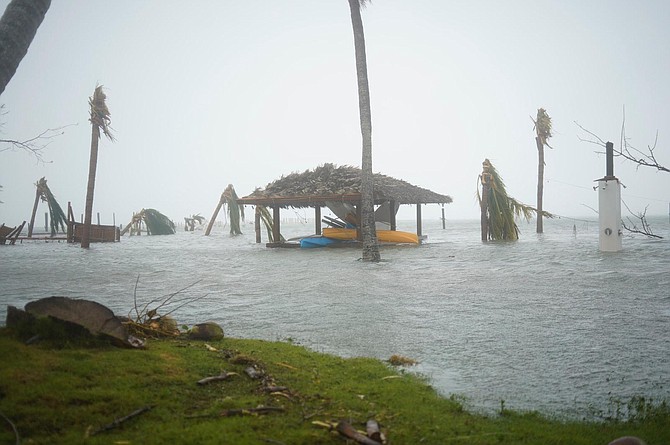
609 211
609 207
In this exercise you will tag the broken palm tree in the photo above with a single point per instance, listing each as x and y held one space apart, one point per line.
155 222
56 215
100 122
498 209
190 222
543 133
235 211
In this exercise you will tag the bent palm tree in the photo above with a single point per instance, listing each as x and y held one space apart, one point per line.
100 120
155 222
18 27
498 209
56 214
235 211
542 132
368 231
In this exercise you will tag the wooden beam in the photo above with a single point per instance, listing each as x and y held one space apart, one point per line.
317 220
392 215
276 232
257 224
418 221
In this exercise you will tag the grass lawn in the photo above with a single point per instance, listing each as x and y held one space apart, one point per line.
68 395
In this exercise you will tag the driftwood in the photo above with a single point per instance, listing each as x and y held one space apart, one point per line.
275 388
118 422
248 411
216 378
373 432
348 431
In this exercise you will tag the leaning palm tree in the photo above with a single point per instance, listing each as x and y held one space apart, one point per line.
542 134
498 209
155 222
235 211
56 214
368 231
18 27
100 121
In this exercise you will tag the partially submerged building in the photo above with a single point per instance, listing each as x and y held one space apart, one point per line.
338 188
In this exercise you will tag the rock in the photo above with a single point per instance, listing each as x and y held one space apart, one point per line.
206 331
17 317
94 317
627 440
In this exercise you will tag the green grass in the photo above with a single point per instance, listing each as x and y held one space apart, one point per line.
59 395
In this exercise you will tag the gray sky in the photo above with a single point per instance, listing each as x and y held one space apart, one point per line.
207 93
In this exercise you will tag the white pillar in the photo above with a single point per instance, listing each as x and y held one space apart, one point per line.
609 211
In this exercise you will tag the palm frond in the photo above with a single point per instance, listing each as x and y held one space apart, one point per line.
268 222
543 126
235 211
56 215
157 223
100 115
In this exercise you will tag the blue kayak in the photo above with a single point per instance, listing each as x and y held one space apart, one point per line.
317 241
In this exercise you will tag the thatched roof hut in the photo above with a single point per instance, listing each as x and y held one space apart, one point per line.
329 184
332 183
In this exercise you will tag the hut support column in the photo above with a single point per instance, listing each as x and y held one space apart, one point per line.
276 232
359 218
257 224
317 220
419 231
392 215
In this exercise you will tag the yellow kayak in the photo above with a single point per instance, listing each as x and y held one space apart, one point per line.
385 236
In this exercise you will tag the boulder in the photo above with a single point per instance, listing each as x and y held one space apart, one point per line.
206 331
94 317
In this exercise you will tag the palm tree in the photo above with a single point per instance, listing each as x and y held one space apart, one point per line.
542 133
57 216
368 231
18 27
100 120
498 209
235 211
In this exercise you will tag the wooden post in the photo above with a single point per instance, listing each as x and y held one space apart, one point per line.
70 223
32 217
276 232
392 215
418 221
443 220
98 218
113 218
257 224
46 221
359 218
216 213
317 220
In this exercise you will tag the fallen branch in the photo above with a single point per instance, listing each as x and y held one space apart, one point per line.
373 432
350 432
16 432
249 411
118 422
216 378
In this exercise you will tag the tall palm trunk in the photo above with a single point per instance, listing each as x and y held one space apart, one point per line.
90 188
539 228
100 120
542 134
368 231
18 27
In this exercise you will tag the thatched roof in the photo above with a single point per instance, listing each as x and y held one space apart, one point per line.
329 182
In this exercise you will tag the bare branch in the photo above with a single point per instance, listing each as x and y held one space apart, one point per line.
642 217
35 145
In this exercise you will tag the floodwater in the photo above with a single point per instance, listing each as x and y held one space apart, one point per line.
548 323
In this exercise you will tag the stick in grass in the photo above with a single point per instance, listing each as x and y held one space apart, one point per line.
350 432
216 378
118 422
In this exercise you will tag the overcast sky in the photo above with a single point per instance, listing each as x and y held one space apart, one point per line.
207 93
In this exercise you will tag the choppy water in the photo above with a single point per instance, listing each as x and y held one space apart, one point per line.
548 323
